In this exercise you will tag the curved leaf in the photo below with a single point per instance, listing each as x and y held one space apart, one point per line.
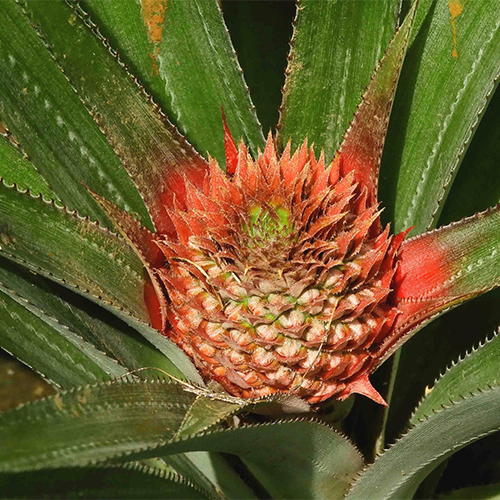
146 142
182 52
57 353
118 417
140 420
329 68
127 482
397 473
447 80
478 368
319 462
46 116
427 353
71 313
91 260
70 249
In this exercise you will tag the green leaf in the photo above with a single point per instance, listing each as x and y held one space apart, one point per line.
147 143
58 354
83 256
17 169
323 461
329 67
140 420
118 417
478 369
447 338
477 184
182 52
127 482
262 57
87 320
214 473
486 492
398 472
70 249
441 97
46 116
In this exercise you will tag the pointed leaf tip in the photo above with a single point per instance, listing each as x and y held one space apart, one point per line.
230 147
364 387
361 150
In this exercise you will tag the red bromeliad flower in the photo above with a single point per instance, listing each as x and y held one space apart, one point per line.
277 276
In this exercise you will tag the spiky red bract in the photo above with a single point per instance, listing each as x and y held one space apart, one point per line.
278 276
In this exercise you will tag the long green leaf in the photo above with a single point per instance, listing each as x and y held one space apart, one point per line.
127 482
477 184
93 261
85 319
448 78
45 114
447 338
182 52
142 136
397 473
62 357
479 368
323 461
59 244
329 68
140 420
118 417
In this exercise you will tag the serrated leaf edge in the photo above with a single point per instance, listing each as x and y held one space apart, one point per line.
81 218
455 363
426 418
48 319
12 140
461 153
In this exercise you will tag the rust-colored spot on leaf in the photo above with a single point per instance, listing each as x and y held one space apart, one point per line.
58 402
456 8
153 13
84 397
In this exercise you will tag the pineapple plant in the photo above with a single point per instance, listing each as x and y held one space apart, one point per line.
210 307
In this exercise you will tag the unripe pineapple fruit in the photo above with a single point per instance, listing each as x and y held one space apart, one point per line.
278 275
